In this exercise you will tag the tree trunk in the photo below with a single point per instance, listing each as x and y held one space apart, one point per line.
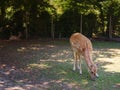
26 32
110 28
26 26
2 15
81 24
52 28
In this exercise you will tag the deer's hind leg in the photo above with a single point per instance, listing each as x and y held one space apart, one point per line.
79 63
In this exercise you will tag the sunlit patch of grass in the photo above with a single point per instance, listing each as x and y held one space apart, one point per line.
85 82
41 66
21 49
109 59
110 64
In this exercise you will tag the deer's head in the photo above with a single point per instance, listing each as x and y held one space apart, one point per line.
93 71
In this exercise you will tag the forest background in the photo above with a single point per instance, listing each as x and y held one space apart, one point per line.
60 18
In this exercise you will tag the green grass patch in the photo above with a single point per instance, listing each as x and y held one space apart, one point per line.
49 64
106 44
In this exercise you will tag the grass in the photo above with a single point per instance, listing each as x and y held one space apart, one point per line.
48 66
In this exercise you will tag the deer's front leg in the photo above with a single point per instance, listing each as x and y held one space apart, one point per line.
75 61
79 63
80 69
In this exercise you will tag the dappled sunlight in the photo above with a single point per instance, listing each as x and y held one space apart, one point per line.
75 85
49 66
60 54
111 64
52 60
85 81
26 87
41 66
64 55
22 49
115 52
106 53
60 84
51 46
59 72
15 88
109 59
35 47
25 49
62 72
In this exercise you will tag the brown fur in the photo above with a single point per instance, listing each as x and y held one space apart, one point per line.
82 46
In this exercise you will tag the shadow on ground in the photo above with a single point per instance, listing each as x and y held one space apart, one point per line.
47 65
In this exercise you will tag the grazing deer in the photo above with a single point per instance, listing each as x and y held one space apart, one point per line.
15 38
82 46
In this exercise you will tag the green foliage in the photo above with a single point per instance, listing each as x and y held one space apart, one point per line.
36 17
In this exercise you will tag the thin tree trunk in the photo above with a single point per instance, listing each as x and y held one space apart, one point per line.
26 27
81 23
26 32
52 23
110 29
52 28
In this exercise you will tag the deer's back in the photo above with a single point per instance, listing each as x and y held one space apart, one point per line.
80 42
